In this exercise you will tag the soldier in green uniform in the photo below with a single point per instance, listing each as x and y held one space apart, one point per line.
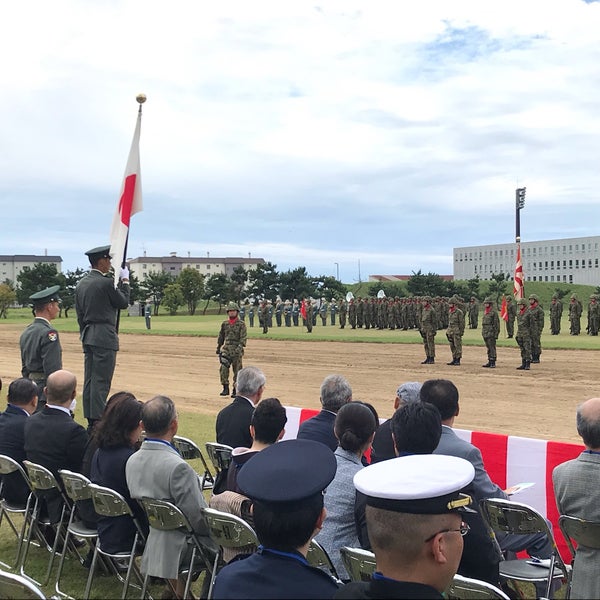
575 310
97 303
524 318
41 353
473 313
308 311
511 311
490 329
287 313
455 331
537 325
251 311
333 309
556 309
295 312
352 313
230 347
360 312
593 315
428 330
343 308
263 314
323 311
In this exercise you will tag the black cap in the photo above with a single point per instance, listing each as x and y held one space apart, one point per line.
99 252
288 471
45 296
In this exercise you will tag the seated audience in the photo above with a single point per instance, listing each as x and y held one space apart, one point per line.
335 392
233 421
22 400
576 489
415 524
286 483
355 426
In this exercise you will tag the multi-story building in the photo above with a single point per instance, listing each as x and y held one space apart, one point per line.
572 260
174 264
12 265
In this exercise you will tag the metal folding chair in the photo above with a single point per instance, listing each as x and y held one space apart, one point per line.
109 503
464 588
10 467
579 532
189 450
359 563
317 557
515 518
17 586
165 516
77 487
220 455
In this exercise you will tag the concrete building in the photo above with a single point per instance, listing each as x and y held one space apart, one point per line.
572 260
174 264
12 264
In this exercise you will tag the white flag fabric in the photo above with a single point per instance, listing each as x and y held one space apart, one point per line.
519 287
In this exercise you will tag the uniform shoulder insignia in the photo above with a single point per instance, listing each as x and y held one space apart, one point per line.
52 336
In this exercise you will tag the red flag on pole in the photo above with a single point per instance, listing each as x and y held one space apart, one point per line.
504 309
303 309
130 201
519 287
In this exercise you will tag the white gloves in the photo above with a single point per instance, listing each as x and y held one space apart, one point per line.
124 273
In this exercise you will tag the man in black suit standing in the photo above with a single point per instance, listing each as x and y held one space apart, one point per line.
22 401
233 422
335 392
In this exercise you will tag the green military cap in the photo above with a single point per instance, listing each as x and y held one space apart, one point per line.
45 296
533 297
232 306
509 298
488 300
522 301
99 252
555 295
573 296
427 299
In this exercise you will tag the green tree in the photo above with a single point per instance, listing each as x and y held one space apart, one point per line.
173 297
192 287
497 286
427 285
34 279
7 298
239 279
561 292
264 281
154 287
296 284
68 283
473 286
328 287
219 288
391 289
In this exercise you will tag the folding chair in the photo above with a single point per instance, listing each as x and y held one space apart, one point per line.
109 503
228 532
165 516
9 466
77 487
189 450
464 588
579 533
317 557
515 518
220 455
43 482
17 586
359 563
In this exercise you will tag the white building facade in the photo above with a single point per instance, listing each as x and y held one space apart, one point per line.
572 260
12 264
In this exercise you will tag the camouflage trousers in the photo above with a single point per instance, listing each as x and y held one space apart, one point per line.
429 343
490 344
455 340
525 346
236 365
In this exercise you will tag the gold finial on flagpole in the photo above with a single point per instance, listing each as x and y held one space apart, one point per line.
141 98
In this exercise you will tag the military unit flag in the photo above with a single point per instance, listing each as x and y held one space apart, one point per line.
504 309
519 288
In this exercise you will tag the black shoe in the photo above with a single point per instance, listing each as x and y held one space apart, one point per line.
492 364
431 360
233 393
527 363
451 364
522 367
535 361
225 391
487 365
426 361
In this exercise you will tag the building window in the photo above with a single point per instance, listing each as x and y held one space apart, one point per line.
551 277
144 266
208 267
577 264
570 264
570 278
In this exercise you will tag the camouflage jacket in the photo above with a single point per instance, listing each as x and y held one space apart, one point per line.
232 338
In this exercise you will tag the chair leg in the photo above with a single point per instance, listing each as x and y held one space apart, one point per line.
62 557
129 567
57 538
188 582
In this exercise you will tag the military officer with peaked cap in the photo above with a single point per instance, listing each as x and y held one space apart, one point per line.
286 482
97 302
41 353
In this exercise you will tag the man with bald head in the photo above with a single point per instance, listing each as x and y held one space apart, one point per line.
576 484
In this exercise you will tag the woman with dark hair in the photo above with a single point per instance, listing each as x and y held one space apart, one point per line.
355 426
116 436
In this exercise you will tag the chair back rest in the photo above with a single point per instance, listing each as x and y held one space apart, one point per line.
228 530
17 586
219 454
164 515
40 478
9 465
359 563
187 448
513 517
77 486
464 588
317 557
109 503
584 533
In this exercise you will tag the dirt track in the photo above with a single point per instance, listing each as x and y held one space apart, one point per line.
539 403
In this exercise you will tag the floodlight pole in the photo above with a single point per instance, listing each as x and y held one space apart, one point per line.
337 270
519 204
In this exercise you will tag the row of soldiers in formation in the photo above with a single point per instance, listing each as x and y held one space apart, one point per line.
575 314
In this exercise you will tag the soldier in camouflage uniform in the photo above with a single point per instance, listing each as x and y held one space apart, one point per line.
524 318
455 331
575 310
333 309
556 309
278 311
295 312
367 313
251 311
593 315
537 325
323 311
490 329
308 311
287 313
343 312
360 312
352 313
230 347
511 311
428 330
263 314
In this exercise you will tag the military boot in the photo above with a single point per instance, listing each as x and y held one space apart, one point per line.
492 364
487 364
522 367
233 393
426 361
527 363
225 391
456 362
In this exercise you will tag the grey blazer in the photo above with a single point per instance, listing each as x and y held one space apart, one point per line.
156 470
576 484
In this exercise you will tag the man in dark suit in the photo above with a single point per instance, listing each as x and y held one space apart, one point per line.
52 438
97 302
233 421
335 392
22 401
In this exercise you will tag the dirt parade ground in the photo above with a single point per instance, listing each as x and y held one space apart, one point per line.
539 403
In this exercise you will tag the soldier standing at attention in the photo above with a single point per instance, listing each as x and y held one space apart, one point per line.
360 312
295 312
278 311
251 310
230 347
537 325
308 314
593 315
41 353
524 319
473 313
575 310
556 309
490 329
148 314
97 303
332 310
287 313
455 331
323 311
511 311
343 313
352 310
264 316
428 330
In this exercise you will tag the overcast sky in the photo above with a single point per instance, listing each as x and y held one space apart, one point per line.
373 133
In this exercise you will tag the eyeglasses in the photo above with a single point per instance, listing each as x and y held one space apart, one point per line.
463 530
